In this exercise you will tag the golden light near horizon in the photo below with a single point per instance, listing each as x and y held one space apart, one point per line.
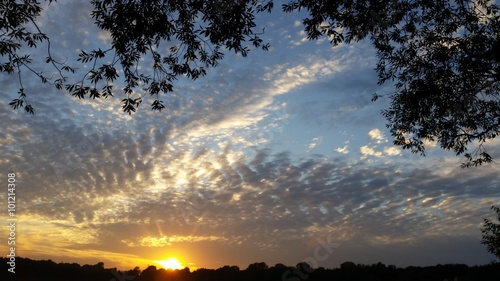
170 263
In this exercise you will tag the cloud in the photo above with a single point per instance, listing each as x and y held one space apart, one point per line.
314 142
368 151
162 241
128 190
286 79
343 150
391 151
377 136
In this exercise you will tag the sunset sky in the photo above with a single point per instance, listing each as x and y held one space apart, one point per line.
280 157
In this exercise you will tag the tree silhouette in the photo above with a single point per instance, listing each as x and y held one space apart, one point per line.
28 269
491 233
193 32
257 266
443 56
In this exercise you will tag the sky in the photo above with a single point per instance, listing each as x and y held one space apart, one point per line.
279 157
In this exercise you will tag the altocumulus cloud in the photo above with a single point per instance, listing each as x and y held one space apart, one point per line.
119 190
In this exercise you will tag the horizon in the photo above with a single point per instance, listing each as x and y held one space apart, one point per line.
43 270
247 267
279 157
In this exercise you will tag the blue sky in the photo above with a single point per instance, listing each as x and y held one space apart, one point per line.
267 158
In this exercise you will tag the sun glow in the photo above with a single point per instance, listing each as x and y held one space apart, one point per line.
171 263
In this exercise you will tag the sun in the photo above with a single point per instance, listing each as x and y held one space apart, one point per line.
171 263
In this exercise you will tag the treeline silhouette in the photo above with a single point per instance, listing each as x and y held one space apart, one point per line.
46 270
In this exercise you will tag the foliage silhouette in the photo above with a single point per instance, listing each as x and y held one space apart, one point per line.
193 32
34 270
444 56
491 233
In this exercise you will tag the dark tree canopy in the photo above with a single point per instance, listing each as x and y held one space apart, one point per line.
491 233
193 32
443 56
348 271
